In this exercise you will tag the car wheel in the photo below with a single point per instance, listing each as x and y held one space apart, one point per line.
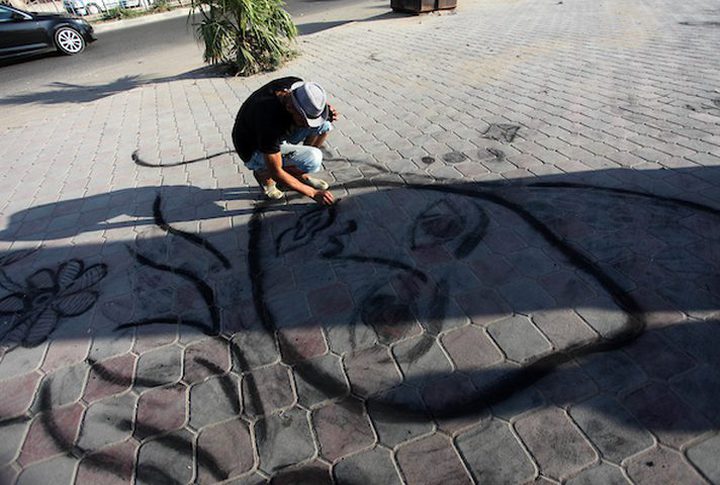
69 41
93 9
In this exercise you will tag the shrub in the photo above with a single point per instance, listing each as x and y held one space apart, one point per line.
247 36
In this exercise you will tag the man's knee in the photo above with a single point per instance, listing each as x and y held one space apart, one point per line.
314 160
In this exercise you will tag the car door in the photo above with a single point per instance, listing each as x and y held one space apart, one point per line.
19 32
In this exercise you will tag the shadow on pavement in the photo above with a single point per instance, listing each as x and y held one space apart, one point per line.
596 291
62 92
314 27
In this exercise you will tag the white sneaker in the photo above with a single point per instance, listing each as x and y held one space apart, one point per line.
316 183
272 192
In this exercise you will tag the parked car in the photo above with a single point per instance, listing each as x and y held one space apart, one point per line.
94 7
23 32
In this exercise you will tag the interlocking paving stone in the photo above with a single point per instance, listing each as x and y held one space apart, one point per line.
168 458
283 439
120 457
389 414
158 367
230 446
613 371
103 421
611 428
662 462
483 308
569 452
431 460
256 347
518 338
419 357
50 433
602 474
470 348
213 400
564 328
274 390
494 455
704 456
371 370
701 388
666 415
372 466
64 386
13 436
111 376
301 343
58 470
18 394
568 384
319 379
335 422
204 359
160 410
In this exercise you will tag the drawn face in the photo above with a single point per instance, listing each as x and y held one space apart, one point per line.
408 280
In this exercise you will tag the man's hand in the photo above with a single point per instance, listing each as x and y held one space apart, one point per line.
324 197
333 113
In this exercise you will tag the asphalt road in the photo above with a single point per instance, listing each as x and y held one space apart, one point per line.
161 49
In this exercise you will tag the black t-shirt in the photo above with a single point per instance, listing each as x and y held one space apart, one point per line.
263 122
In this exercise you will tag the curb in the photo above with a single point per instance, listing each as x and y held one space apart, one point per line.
148 19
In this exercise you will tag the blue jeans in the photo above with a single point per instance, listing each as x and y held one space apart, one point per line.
306 158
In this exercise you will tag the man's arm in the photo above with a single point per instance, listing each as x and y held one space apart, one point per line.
274 165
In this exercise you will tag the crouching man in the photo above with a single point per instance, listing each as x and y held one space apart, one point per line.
277 133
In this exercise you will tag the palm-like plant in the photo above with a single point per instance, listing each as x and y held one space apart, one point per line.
248 36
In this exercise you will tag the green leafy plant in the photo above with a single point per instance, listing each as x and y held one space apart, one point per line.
247 36
118 13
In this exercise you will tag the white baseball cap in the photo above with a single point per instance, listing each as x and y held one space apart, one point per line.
311 101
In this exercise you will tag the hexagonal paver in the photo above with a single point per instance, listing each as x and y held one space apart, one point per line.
111 376
611 428
18 393
159 367
51 433
371 370
704 456
268 389
372 466
213 400
494 455
603 474
470 348
302 343
569 452
661 462
105 421
283 439
112 464
518 338
57 470
161 410
167 459
342 428
206 358
319 379
431 460
224 450
672 420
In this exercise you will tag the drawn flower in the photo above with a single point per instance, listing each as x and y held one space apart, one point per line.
32 311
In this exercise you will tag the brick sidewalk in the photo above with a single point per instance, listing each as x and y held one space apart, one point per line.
520 283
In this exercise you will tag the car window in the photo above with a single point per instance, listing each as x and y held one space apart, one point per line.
5 14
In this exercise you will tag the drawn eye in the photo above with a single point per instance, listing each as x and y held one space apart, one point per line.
443 222
306 228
